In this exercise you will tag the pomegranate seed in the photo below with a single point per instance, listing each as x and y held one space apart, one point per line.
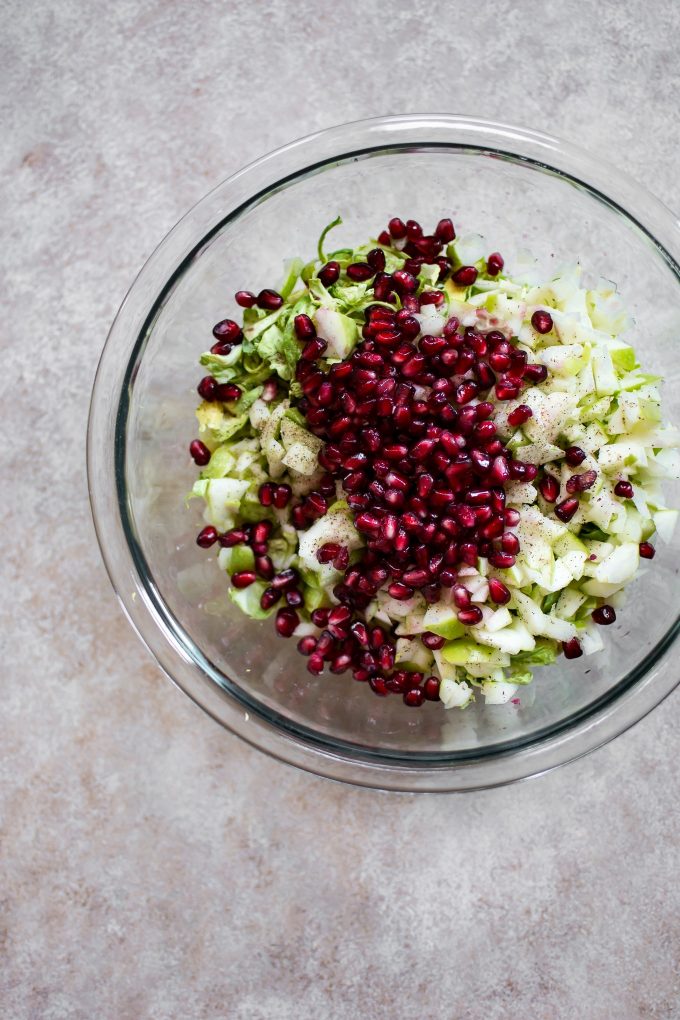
416 578
404 281
542 321
579 483
228 392
327 552
288 579
468 553
265 493
549 488
264 567
261 531
228 331
314 662
377 685
341 663
269 300
536 373
269 598
622 488
461 596
431 688
399 591
510 543
432 641
465 276
444 231
494 263
367 522
506 390
245 298
566 509
499 592
207 537
207 388
572 648
360 271
502 560
243 578
414 697
376 259
304 327
329 273
282 496
397 228
466 392
413 230
499 361
511 517
306 645
519 415
500 470
470 617
574 456
313 349
647 551
604 615
237 536
200 452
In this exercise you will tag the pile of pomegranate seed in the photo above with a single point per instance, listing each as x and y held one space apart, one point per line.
407 423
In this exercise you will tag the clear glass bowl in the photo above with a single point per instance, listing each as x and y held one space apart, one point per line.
518 188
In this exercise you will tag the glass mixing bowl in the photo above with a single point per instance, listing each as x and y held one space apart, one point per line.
518 188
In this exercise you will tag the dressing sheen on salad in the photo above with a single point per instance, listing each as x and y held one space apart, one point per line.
434 475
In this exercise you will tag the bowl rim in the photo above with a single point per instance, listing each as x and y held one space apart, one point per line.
625 704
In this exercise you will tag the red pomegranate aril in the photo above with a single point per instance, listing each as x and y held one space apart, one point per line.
367 522
500 470
461 596
245 298
399 591
341 663
329 273
304 327
294 598
376 259
465 276
483 514
604 615
470 617
413 230
378 686
444 231
623 489
572 648
327 552
499 361
269 300
501 560
306 645
358 272
228 331
313 349
536 373
510 543
431 688
405 281
647 550
315 662
511 517
261 532
199 452
207 388
566 509
282 496
494 263
206 537
466 392
265 493
397 228
286 579
371 440
498 592
414 697
432 641
542 321
401 542
447 578
264 567
416 578
519 415
431 297
549 488
424 485
481 460
243 578
237 536
468 553
506 390
228 392
476 497
574 456
269 598
579 483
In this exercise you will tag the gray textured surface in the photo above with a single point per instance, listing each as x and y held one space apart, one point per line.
153 866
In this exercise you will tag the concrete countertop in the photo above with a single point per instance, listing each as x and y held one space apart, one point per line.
153 866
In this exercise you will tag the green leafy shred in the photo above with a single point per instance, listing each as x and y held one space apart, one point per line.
324 233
